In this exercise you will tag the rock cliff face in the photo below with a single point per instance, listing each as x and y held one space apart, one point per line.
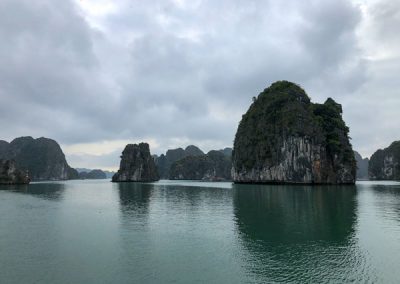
164 162
362 166
284 138
9 174
42 158
215 166
385 164
136 165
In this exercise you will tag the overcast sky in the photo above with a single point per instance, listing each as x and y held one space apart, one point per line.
95 75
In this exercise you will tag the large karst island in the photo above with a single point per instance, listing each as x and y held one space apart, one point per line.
284 138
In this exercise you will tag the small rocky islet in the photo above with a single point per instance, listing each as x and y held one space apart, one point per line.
136 165
282 138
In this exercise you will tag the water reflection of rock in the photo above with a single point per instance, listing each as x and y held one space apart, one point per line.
193 199
302 232
386 199
295 213
134 197
49 191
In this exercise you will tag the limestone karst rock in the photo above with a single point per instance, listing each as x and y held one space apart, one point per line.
136 165
385 163
284 138
41 157
9 174
164 162
214 166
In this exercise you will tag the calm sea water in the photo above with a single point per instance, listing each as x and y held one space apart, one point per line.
195 232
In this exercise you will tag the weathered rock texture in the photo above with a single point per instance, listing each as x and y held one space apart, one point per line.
9 174
362 166
164 162
385 164
136 165
42 158
214 166
284 138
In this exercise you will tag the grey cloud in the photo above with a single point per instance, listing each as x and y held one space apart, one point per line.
386 20
106 161
49 72
160 71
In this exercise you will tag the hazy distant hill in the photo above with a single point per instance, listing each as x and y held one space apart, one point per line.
362 166
93 174
108 174
81 170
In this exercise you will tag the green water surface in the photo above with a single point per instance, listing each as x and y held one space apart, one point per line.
197 232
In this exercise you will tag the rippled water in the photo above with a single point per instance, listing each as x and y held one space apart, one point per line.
195 232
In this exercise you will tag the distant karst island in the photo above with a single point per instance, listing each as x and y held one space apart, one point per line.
41 158
192 163
26 159
282 138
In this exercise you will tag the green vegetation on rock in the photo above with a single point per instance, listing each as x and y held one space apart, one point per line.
164 162
214 166
283 137
9 174
41 157
137 164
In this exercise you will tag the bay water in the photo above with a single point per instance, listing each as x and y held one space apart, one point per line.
199 232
